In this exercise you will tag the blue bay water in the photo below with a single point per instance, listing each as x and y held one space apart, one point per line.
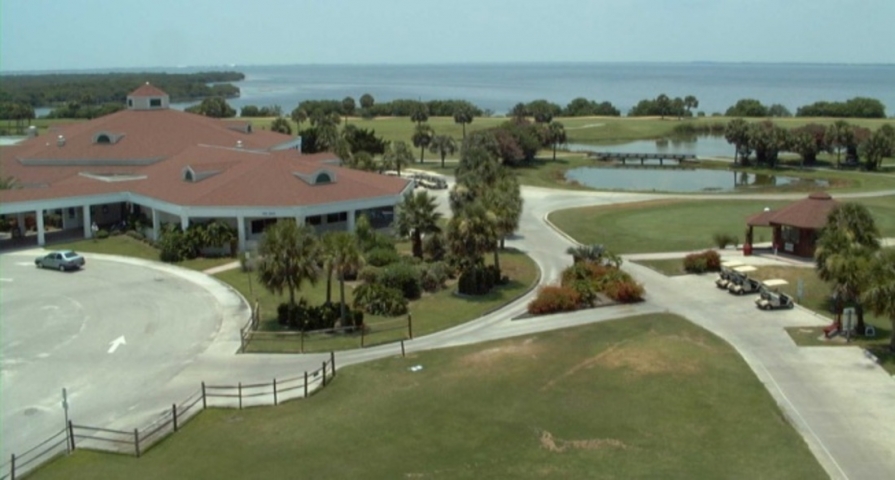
499 87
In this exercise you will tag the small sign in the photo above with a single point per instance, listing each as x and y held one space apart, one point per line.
800 290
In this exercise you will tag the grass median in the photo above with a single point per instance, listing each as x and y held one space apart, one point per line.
647 397
126 246
683 225
431 313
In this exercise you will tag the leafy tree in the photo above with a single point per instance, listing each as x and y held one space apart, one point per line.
880 145
422 137
397 155
737 133
879 295
345 258
663 105
678 107
808 141
299 115
363 140
215 107
519 112
363 160
777 110
747 107
348 106
557 135
366 101
281 125
840 135
415 216
443 145
690 103
463 115
543 111
767 140
420 113
582 107
844 254
858 107
290 256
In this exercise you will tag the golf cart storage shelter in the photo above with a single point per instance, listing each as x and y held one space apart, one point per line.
795 226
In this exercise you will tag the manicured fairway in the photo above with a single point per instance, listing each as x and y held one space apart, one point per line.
647 397
682 225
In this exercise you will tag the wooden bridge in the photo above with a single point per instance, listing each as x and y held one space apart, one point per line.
624 158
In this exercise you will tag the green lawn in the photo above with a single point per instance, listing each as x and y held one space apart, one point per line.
431 313
130 247
682 225
645 397
669 267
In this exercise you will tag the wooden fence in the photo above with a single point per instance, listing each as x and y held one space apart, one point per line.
330 338
139 440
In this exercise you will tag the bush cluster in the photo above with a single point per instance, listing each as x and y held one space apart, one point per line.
580 284
722 240
707 261
479 280
402 277
377 299
302 316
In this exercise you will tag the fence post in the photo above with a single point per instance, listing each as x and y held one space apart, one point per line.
240 395
204 405
137 442
242 340
306 384
71 434
332 362
301 348
324 373
174 413
12 467
275 392
402 349
410 325
363 331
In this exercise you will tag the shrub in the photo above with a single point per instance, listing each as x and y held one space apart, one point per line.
116 233
173 247
376 299
552 298
722 240
586 291
477 280
402 277
435 247
433 275
625 291
102 234
369 274
706 261
380 257
135 235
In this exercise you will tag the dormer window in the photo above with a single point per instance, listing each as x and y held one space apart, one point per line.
188 175
323 177
155 102
320 177
106 138
103 138
197 175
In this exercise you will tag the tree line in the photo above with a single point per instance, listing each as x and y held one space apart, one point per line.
99 88
766 140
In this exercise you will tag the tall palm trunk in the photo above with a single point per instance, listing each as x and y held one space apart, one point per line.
329 286
422 152
442 159
342 313
497 261
417 244
554 151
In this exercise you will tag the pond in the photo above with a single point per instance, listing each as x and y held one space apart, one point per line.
701 146
680 180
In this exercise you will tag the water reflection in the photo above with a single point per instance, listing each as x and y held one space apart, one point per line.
701 146
677 180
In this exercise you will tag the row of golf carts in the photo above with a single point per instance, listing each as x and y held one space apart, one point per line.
734 278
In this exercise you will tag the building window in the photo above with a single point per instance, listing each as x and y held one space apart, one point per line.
790 235
130 102
188 175
103 138
71 212
258 226
323 178
314 220
155 102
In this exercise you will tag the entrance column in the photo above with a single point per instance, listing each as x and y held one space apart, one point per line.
241 232
351 215
88 232
20 223
40 228
155 225
184 222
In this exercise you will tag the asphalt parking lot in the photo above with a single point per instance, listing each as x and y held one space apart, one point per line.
109 334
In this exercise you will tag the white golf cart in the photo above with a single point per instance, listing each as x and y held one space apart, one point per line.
771 298
741 283
726 273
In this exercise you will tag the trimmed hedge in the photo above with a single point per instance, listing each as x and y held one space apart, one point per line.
376 299
478 280
707 261
302 316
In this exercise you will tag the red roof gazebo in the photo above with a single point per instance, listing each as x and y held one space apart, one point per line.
796 226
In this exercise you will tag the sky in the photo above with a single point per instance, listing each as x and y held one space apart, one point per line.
109 34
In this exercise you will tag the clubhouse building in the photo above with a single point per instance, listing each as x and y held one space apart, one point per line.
177 167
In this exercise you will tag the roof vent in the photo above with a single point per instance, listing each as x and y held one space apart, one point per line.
32 131
239 144
60 140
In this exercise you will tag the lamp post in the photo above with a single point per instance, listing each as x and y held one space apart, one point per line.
249 274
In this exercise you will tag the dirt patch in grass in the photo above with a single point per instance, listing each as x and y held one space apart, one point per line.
488 357
646 360
558 445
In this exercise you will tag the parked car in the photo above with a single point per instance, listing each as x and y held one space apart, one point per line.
62 261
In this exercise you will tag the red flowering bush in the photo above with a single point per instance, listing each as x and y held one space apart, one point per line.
553 298
625 291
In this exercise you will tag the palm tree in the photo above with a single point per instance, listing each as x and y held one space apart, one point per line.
737 133
345 258
299 116
443 145
880 293
327 256
8 183
504 201
839 135
417 215
587 253
422 137
397 155
463 115
290 255
556 133
420 113
844 254
281 125
219 234
471 234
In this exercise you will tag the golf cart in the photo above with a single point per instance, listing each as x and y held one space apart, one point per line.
771 298
741 283
726 273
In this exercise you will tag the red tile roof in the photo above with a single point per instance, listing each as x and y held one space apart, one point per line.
160 144
809 213
147 90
